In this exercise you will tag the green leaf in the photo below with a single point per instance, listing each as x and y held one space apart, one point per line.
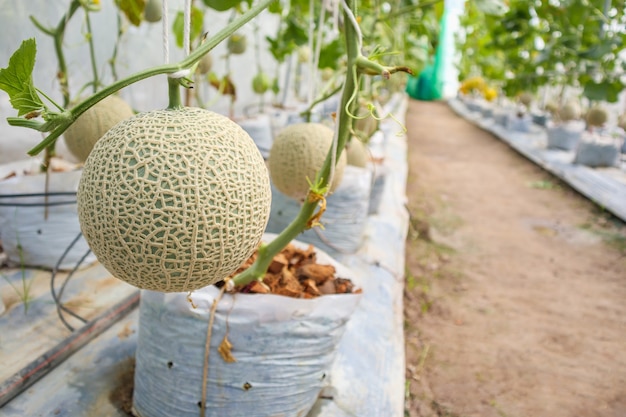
197 17
330 54
603 91
221 5
133 9
17 79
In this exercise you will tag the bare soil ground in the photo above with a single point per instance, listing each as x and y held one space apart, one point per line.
515 300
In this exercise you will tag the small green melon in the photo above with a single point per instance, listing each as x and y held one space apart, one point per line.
205 64
551 107
525 98
236 44
569 111
153 11
357 153
597 116
327 73
297 154
621 121
261 83
82 135
174 200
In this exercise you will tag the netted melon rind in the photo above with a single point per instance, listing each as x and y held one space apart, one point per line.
82 135
298 153
597 116
174 200
569 111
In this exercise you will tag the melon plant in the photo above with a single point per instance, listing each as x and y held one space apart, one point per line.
83 134
596 116
357 153
174 200
297 154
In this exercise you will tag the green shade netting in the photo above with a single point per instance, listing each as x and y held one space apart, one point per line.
428 86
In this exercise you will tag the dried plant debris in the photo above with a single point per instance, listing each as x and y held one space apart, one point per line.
295 273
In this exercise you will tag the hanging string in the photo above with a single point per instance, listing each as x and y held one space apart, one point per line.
166 34
348 12
166 37
187 28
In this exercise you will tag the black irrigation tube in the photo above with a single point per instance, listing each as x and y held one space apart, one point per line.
55 194
35 370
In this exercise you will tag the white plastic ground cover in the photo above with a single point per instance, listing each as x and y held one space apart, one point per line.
29 238
344 219
283 348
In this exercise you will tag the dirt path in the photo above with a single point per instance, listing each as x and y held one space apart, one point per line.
515 301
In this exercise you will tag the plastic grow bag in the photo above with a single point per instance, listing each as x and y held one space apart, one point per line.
345 217
596 154
284 348
565 136
38 228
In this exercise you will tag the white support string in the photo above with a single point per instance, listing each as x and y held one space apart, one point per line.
166 35
187 28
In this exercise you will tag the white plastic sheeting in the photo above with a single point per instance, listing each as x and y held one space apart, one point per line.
39 234
344 219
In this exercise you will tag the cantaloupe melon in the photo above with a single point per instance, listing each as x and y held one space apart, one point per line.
236 44
525 98
569 111
81 136
356 153
153 11
261 83
174 200
205 64
597 116
298 153
621 121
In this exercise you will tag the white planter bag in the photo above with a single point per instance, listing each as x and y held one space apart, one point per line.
565 136
28 237
284 348
597 154
345 217
260 130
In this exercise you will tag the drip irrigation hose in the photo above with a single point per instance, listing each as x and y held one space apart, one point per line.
57 297
40 204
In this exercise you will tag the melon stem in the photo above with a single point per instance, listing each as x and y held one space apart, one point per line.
267 252
175 101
